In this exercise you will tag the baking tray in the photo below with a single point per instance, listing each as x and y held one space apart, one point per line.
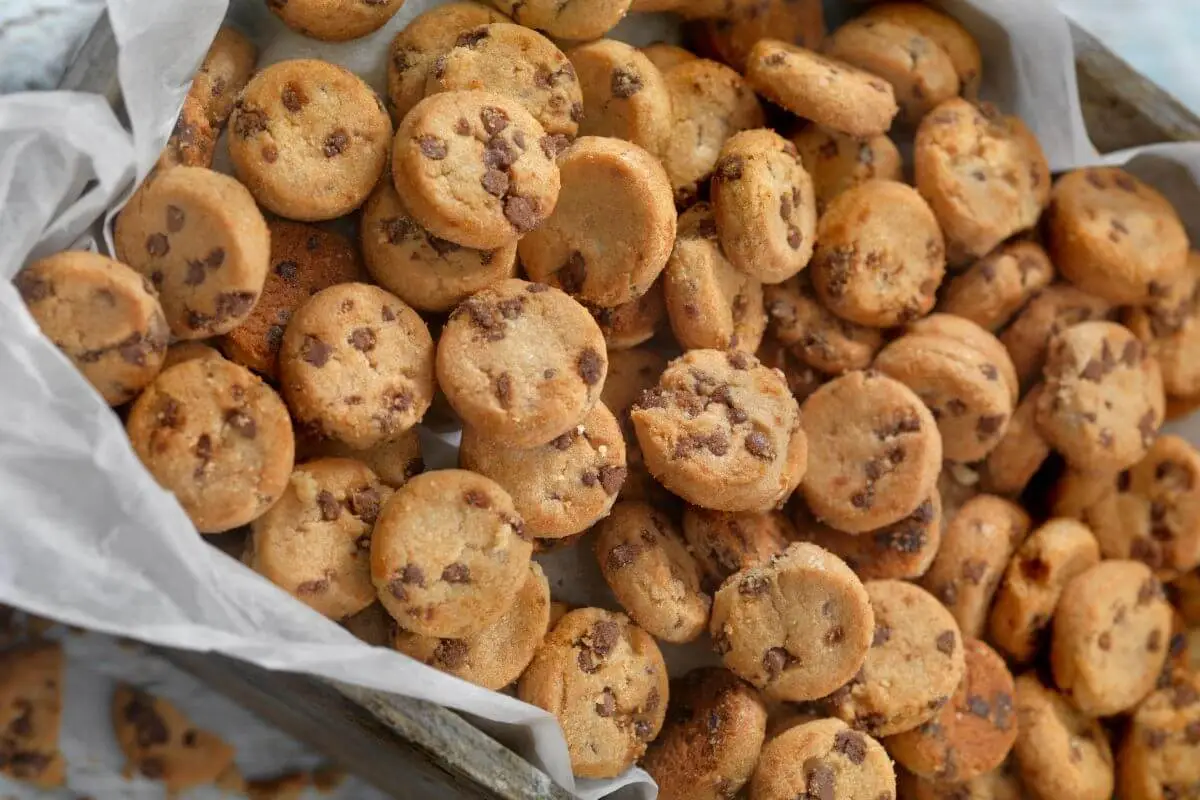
413 749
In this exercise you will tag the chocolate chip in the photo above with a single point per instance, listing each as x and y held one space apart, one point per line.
471 39
521 213
248 122
1149 591
157 245
852 745
233 305
241 422
313 587
149 727
362 339
152 768
293 97
988 425
608 703
945 642
759 446
625 82
457 573
622 555
175 219
611 478
495 182
432 147
553 145
819 779
591 366
504 389
412 574
330 508
572 274
451 653
834 636
754 585
794 238
729 168
776 660
476 499
364 503
605 635
882 634
314 351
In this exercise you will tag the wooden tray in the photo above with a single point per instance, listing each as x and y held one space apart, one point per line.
420 751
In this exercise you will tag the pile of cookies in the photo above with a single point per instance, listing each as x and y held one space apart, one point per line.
892 448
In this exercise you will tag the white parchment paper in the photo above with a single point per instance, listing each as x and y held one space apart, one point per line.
86 535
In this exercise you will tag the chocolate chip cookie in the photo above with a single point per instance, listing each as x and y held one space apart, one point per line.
394 461
31 686
824 758
1020 452
817 336
1160 754
635 322
944 31
724 543
838 162
1059 751
993 289
1169 326
335 20
1048 313
624 94
160 742
582 20
730 37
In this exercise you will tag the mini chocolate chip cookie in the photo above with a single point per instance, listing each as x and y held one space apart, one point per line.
448 554
969 334
394 461
335 20
31 689
193 140
1049 312
993 289
631 372
1160 754
1169 326
874 452
722 431
201 240
942 30
624 94
582 20
802 379
218 437
1059 751
635 322
663 55
160 743
611 233
880 257
187 351
913 666
225 71
521 362
604 679
710 304
818 337
1002 783
309 139
102 315
902 550
1020 452
796 627
730 37
838 162
724 543
823 759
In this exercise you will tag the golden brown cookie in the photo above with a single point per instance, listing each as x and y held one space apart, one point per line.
902 550
193 140
819 338
31 689
160 743
942 30
1160 754
1002 783
225 71
583 20
624 94
635 322
993 289
1060 752
838 162
730 37
826 759
335 20
631 372
724 543
802 379
969 334
394 461
1169 326
1020 452
664 55
1049 312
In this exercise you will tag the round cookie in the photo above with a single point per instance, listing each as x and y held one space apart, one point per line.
976 547
945 32
448 555
722 431
631 372
823 759
1059 751
216 436
879 257
709 103
335 20
611 233
1050 312
193 140
429 273
874 452
902 550
802 379
993 289
828 92
497 655
357 365
712 738
518 63
921 73
582 20
421 41
730 37
304 260
913 666
815 335
102 315
315 542
225 71
604 679
187 351
710 304
1169 326
1020 452
635 322
969 334
970 735
31 696
796 627
160 743
648 567
724 543
475 168
521 362
1114 236
999 188
838 162
1110 637
663 55
309 139
1160 755
763 205
199 238
394 461
559 488
1103 401
624 94
1001 783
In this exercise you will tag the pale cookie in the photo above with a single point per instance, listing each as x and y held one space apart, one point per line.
818 337
199 238
559 488
102 315
711 740
921 73
874 452
796 627
1160 755
648 567
635 322
710 304
611 233
1032 584
973 733
1115 236
976 338
335 20
581 20
624 94
823 759
1060 752
1110 637
828 92
497 655
730 37
1103 401
356 365
309 139
604 679
942 30
225 71
666 56
984 175
315 543
160 743
802 379
722 431
216 436
1050 312
394 461
913 666
304 260
709 103
880 257
429 273
1169 326
475 168
996 287
838 162
448 554
518 63
976 547
724 543
521 362
31 705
